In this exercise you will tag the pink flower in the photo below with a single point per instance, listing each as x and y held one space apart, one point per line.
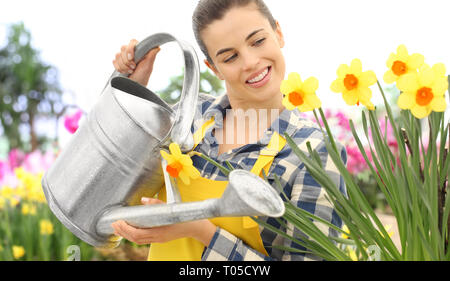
3 169
7 176
71 121
355 160
36 162
15 158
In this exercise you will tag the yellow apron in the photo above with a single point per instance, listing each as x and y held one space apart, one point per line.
246 229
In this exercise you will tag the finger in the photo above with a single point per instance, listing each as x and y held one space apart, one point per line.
126 62
121 65
135 234
130 53
150 201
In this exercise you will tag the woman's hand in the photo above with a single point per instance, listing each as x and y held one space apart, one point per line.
124 63
202 230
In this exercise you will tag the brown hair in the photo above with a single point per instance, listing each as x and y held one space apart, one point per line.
208 11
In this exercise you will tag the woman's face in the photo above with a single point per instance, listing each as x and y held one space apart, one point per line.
246 53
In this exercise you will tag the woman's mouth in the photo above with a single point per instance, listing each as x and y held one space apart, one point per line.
261 79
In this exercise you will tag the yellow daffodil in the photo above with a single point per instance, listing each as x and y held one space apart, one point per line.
25 209
6 192
46 227
424 91
354 84
28 209
18 251
179 165
300 94
401 64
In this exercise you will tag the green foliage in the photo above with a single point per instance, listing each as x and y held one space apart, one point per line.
28 88
209 84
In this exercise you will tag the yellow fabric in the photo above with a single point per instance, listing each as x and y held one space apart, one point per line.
189 249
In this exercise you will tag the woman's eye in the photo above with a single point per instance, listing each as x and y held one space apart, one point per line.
259 42
229 59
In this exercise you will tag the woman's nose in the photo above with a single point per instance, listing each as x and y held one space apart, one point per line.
250 60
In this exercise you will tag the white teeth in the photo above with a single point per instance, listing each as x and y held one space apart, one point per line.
259 77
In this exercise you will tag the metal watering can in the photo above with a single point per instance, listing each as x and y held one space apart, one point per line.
114 159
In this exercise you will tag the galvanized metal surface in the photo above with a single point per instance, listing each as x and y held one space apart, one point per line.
113 159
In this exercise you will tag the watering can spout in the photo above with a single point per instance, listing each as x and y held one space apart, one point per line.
245 195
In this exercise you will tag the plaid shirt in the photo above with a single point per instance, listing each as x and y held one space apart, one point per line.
297 183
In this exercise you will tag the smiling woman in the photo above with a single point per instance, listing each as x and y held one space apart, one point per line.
242 44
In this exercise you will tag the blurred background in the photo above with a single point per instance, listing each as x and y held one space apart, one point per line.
56 56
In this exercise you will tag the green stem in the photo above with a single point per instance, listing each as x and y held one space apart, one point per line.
224 170
327 128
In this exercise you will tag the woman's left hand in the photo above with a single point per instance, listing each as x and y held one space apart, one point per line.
202 230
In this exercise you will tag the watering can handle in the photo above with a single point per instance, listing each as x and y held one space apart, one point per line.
181 130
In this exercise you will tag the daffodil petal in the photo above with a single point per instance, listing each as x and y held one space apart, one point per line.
184 177
439 70
408 83
415 61
419 111
295 79
286 87
167 156
440 86
438 104
350 98
426 77
402 53
392 58
389 77
356 66
337 86
367 78
310 85
191 171
305 107
365 94
185 160
343 70
313 100
405 101
175 149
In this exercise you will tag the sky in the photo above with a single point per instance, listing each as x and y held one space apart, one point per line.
80 38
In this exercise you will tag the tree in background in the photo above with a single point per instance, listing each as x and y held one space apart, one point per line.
209 84
29 89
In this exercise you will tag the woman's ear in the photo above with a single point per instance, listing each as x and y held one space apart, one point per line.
279 34
213 69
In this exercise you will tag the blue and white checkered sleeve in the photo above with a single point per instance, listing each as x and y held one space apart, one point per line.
311 196
225 246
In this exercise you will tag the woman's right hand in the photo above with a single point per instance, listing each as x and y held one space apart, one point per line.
124 63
